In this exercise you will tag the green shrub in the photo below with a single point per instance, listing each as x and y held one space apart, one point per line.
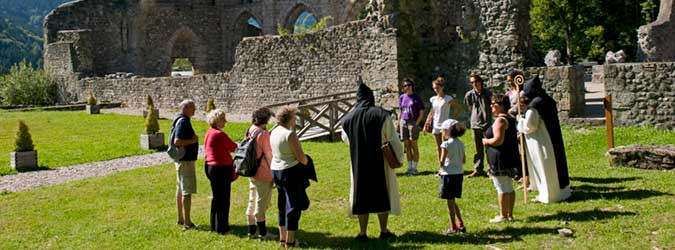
24 85
210 105
281 30
23 142
151 123
91 100
321 24
150 103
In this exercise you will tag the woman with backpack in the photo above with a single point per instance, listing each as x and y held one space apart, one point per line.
261 184
219 169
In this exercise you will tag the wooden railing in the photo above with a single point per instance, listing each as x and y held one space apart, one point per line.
320 117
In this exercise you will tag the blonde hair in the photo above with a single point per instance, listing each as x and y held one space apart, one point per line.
285 113
214 116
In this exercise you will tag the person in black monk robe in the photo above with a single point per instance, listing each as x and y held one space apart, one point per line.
374 188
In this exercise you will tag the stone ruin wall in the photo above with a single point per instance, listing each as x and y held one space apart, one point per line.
145 36
273 69
656 39
643 94
566 85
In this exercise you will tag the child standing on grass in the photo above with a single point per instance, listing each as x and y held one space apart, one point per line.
451 160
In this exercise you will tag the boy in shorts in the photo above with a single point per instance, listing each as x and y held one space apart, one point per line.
451 172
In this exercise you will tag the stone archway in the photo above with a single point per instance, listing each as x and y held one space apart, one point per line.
184 43
294 14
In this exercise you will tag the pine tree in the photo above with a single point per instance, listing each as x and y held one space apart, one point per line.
150 103
24 142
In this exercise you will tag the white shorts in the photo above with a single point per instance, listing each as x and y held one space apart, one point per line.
503 184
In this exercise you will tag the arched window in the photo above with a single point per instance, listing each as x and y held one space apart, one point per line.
253 27
182 67
305 21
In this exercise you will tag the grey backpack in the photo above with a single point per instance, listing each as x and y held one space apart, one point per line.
245 161
175 152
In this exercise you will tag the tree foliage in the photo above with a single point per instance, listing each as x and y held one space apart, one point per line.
149 103
587 29
25 85
23 142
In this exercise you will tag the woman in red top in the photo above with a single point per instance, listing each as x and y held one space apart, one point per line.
219 170
261 184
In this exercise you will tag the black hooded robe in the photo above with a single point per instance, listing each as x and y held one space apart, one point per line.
363 128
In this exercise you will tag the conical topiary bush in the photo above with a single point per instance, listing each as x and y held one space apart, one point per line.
151 123
152 139
210 105
23 142
25 156
149 105
91 107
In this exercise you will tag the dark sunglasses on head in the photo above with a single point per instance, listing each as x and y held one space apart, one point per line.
406 85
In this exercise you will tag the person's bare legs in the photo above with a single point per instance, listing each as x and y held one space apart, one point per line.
363 224
458 216
502 206
187 202
408 149
415 151
511 204
282 234
290 237
179 208
451 213
438 140
384 219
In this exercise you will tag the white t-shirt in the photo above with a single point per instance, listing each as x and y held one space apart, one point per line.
453 160
441 108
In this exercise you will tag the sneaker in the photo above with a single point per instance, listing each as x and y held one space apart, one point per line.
189 226
268 236
462 229
498 219
449 231
252 236
510 219
361 237
387 235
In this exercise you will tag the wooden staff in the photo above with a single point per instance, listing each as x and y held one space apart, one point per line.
519 80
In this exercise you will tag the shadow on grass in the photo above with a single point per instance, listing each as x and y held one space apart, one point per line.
604 180
427 172
591 188
415 239
596 193
589 215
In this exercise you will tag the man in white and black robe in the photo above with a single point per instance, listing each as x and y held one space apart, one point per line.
547 163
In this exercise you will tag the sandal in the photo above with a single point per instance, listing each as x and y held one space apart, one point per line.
282 243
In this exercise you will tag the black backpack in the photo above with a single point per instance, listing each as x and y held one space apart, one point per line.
245 161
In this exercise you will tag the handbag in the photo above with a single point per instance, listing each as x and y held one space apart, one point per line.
390 155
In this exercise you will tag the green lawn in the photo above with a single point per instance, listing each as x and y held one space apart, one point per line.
67 138
611 208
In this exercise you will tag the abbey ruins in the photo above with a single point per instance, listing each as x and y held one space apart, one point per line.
122 50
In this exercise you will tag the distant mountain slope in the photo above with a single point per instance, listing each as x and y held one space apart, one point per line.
21 30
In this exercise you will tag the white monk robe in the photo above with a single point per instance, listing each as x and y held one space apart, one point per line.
543 174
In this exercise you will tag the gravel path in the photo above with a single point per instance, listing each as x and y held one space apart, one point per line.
37 179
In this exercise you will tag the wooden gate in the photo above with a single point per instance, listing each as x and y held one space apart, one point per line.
321 117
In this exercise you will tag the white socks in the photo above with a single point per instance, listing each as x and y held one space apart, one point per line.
412 167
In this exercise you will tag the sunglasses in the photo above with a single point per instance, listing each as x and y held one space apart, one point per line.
406 85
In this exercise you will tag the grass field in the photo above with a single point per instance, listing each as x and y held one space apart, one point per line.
67 138
610 208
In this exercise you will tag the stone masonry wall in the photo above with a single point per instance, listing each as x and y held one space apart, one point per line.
566 85
270 70
643 94
656 39
504 39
